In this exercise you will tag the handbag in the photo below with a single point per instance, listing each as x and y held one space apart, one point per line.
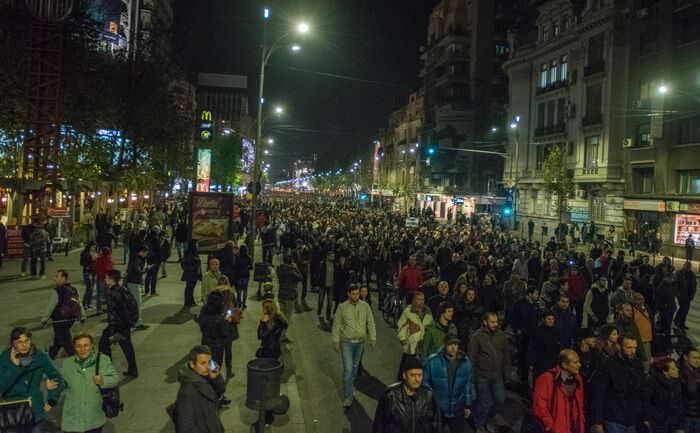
111 402
172 413
16 413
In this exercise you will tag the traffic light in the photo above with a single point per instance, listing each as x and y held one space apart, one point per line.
507 211
431 150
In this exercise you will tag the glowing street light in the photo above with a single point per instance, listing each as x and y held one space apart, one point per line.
303 27
270 140
278 110
296 48
663 89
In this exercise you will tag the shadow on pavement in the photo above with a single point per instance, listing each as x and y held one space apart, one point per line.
36 321
171 372
370 386
36 289
360 422
167 314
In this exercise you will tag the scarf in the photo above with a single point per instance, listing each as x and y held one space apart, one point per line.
28 359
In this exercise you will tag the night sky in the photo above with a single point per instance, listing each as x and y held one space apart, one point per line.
370 40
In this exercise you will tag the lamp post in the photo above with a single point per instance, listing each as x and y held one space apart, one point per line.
266 52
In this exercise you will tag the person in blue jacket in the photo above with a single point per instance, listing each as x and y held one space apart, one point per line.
449 373
22 370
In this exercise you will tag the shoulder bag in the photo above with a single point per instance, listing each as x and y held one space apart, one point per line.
111 402
16 413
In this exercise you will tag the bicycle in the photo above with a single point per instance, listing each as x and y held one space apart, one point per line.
392 307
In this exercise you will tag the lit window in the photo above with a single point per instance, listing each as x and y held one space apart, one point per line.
543 75
590 157
553 72
564 67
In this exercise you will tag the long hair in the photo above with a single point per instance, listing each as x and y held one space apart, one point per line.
214 304
269 307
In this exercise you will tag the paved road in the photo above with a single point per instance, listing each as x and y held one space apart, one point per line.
312 369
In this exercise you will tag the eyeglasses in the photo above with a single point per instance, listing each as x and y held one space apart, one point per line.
23 342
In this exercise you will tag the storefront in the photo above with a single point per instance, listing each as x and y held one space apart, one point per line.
444 205
686 225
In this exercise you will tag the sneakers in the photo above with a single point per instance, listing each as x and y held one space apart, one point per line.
43 277
347 404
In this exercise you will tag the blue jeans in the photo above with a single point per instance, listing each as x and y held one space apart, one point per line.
351 354
102 291
242 290
135 291
89 280
490 396
41 256
126 253
611 427
692 425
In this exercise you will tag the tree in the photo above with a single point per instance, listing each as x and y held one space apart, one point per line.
226 154
557 179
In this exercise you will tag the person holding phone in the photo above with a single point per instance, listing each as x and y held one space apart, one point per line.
201 387
22 369
272 324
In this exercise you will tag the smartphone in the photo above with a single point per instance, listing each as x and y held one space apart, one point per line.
229 312
212 365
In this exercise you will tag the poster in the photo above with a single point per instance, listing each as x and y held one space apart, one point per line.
687 225
203 169
211 219
15 243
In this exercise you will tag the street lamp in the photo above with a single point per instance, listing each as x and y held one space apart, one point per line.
270 141
278 110
296 48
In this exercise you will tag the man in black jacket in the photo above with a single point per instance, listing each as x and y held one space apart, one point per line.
523 319
288 277
620 400
118 327
407 406
201 387
134 277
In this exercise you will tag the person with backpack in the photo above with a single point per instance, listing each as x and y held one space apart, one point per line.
84 375
122 314
557 400
134 276
63 309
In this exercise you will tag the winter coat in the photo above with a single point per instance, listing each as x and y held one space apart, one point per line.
397 412
690 385
227 263
82 408
191 268
434 338
556 415
269 337
211 282
577 288
102 265
243 266
411 328
666 402
451 402
215 329
467 318
566 327
135 270
543 352
524 316
116 302
410 278
341 282
198 402
288 279
490 353
18 382
620 392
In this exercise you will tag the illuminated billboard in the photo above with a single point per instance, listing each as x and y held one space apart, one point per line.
686 225
203 169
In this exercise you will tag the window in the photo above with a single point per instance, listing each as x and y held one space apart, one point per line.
553 71
561 111
598 208
590 156
648 42
565 21
543 75
541 153
644 91
643 135
555 28
594 99
545 33
541 108
595 49
643 180
689 131
689 181
502 49
550 113
563 63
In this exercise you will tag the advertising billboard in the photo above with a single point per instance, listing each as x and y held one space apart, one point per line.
686 225
211 220
203 169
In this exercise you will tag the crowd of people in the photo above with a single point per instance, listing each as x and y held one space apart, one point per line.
591 340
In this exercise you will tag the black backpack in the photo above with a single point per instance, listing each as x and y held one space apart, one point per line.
68 307
129 309
532 424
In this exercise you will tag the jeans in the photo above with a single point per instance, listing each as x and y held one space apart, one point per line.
163 271
179 247
242 290
39 427
351 354
692 425
490 395
152 278
325 292
62 339
25 258
38 255
126 253
105 347
135 291
611 427
89 280
102 293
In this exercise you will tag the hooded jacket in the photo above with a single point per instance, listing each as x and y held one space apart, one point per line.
198 402
434 338
453 401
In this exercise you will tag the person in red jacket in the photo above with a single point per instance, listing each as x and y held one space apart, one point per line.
577 292
410 278
558 397
102 265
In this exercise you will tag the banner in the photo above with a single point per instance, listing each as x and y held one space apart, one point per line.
203 169
211 220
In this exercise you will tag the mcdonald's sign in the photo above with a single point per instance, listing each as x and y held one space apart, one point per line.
206 115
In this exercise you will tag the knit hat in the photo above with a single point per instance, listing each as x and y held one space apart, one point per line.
451 339
411 363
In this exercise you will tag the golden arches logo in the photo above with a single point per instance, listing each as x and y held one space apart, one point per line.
206 115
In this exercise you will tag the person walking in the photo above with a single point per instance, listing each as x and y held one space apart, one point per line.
191 272
407 406
437 330
687 287
325 290
596 307
126 241
201 388
411 328
52 231
620 391
544 348
87 259
134 277
448 373
272 325
214 324
288 277
302 257
557 400
154 259
39 245
352 325
523 320
122 314
665 397
22 370
410 278
102 264
63 309
82 407
181 237
244 264
490 353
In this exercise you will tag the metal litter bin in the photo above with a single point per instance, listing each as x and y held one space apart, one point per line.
264 378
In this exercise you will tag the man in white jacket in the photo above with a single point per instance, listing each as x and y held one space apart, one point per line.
411 327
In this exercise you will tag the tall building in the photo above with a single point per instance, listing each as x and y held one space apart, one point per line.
145 27
568 69
464 95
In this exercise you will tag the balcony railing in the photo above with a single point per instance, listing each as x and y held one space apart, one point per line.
592 119
594 68
550 130
553 86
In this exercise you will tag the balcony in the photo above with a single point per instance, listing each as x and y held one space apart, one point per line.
592 120
594 68
559 128
551 87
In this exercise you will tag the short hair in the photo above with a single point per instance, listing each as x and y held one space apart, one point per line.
143 247
444 305
18 332
353 287
197 350
662 364
63 272
488 314
287 260
81 335
564 356
623 336
419 294
214 260
531 289
115 275
565 295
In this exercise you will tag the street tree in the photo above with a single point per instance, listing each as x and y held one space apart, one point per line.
557 180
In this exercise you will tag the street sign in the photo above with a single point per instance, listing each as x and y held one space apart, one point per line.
509 194
411 222
510 183
58 211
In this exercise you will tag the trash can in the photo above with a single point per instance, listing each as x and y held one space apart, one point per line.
264 378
